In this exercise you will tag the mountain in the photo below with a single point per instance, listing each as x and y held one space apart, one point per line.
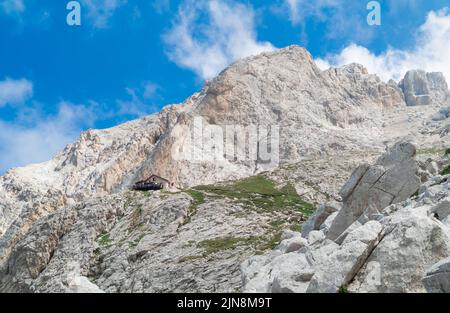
250 155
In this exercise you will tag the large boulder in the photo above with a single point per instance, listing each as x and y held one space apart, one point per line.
341 266
392 179
413 241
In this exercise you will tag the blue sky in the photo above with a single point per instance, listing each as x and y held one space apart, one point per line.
129 58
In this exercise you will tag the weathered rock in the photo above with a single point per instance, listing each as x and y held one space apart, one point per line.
344 263
421 88
441 211
414 241
315 236
437 278
384 249
392 179
443 114
291 273
325 227
292 244
318 218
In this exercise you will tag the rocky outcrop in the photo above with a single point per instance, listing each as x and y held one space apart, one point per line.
322 214
392 179
421 88
442 114
381 249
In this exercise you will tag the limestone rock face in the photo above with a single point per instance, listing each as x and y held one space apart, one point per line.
421 88
383 249
437 278
442 114
283 89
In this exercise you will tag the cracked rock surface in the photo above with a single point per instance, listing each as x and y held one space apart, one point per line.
378 242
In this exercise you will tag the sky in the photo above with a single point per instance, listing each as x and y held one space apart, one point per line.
129 58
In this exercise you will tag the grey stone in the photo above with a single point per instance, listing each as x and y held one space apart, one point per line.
437 278
421 88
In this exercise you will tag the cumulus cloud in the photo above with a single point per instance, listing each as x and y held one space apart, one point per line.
343 21
430 52
208 35
37 138
12 6
15 91
99 12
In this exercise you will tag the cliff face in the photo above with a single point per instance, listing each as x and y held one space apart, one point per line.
270 112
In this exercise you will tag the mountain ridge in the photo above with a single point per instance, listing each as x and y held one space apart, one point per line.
322 115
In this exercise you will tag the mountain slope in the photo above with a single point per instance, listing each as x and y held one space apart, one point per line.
328 121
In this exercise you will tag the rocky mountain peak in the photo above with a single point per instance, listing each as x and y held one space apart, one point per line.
421 88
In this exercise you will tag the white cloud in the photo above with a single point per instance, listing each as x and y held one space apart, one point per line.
100 11
15 91
12 6
150 90
33 136
23 143
430 53
343 21
134 106
208 35
300 9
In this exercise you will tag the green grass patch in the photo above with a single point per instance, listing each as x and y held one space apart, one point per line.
446 171
199 198
261 193
296 227
272 243
133 243
104 239
277 224
431 151
226 243
258 244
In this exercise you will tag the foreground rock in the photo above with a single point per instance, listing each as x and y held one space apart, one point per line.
393 178
386 247
437 278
